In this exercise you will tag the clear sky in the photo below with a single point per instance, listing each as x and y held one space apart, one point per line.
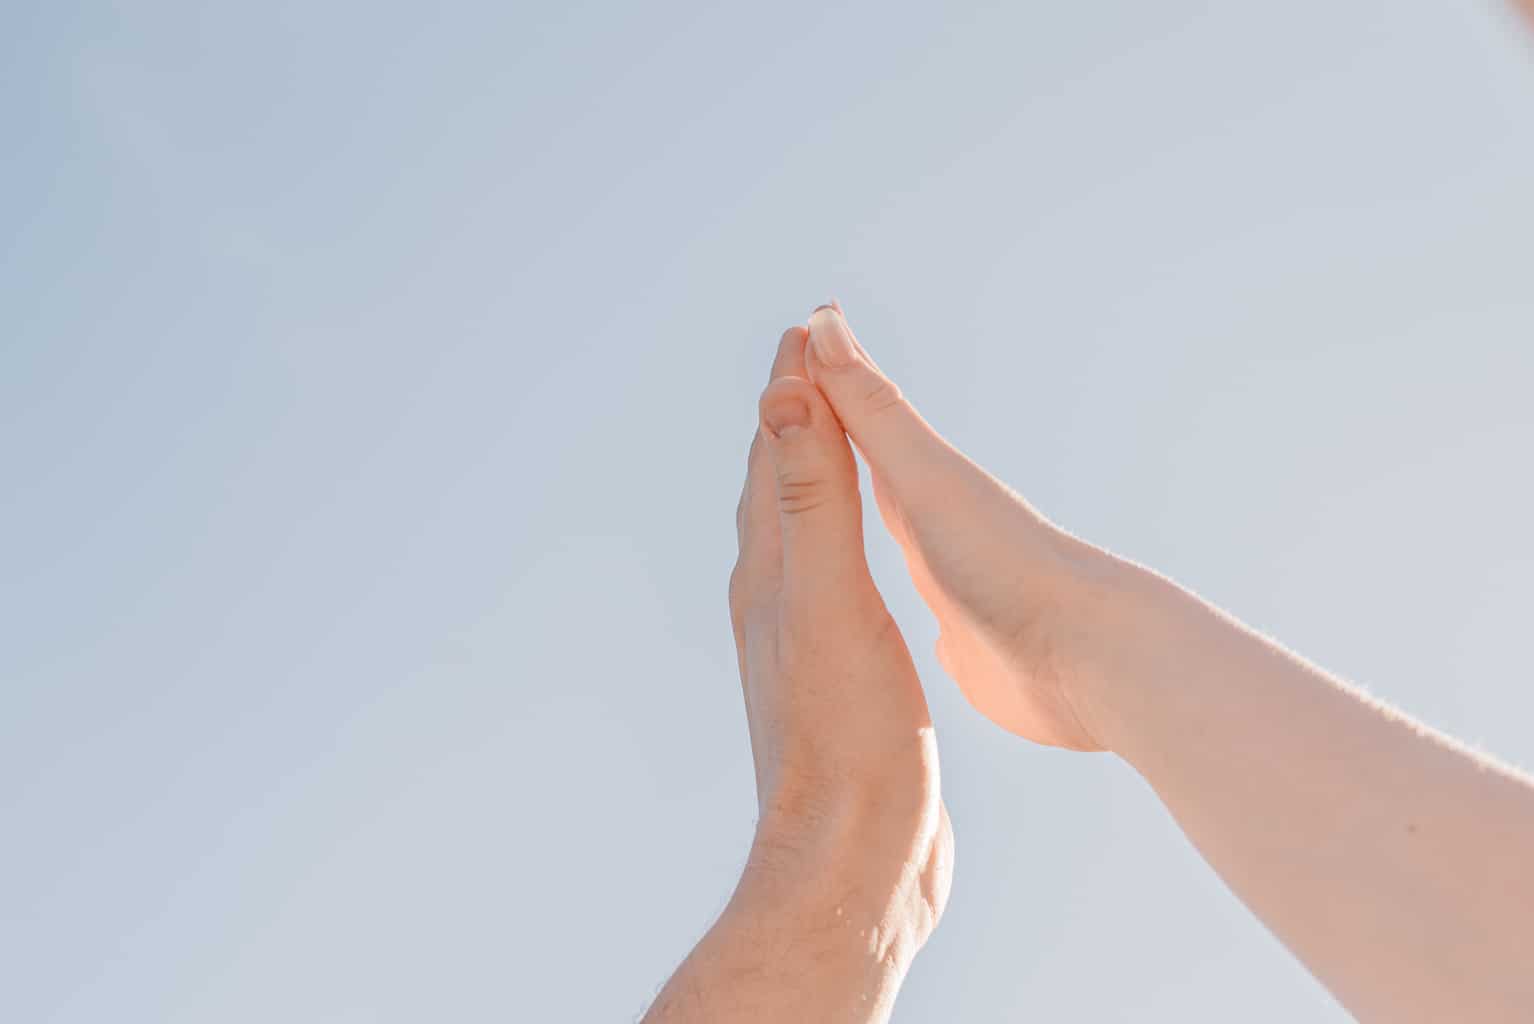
375 386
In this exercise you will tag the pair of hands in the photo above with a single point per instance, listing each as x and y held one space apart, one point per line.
846 762
1391 860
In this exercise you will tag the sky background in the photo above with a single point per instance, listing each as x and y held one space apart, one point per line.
375 386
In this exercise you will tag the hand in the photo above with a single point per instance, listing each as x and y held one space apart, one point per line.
1017 599
846 759
853 854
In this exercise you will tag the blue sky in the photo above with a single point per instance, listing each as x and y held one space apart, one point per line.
375 384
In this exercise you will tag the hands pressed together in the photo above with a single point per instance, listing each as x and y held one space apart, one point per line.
1398 866
846 760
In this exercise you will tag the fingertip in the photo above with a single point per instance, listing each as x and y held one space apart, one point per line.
800 427
789 360
817 485
830 338
785 413
798 334
785 405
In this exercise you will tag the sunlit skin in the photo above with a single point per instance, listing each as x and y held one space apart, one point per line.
1396 864
851 863
1393 862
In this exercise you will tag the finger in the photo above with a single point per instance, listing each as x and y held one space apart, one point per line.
890 511
819 510
899 445
758 571
745 493
833 304
789 361
757 519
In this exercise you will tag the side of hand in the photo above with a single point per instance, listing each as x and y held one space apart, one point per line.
851 864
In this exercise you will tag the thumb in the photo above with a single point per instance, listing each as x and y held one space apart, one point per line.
901 448
819 508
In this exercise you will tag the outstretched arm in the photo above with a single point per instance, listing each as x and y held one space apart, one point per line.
850 869
1396 864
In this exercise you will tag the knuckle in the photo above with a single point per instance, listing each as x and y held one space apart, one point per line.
880 394
800 492
782 388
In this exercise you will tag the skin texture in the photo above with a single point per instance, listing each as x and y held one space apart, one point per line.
1392 861
1395 863
849 871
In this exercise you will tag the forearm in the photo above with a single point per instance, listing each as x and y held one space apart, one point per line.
1398 866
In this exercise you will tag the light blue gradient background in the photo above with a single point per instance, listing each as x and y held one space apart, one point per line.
375 385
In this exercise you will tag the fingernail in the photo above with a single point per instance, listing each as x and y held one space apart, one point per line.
831 338
785 414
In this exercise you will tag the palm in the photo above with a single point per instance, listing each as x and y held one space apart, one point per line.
991 642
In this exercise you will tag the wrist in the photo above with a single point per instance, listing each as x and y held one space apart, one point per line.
1157 646
791 945
842 927
1122 629
862 875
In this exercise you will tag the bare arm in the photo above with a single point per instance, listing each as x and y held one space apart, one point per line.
1397 865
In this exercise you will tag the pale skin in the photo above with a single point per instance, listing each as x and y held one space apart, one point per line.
1397 865
853 854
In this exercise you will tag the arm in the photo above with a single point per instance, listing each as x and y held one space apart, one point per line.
1398 866
850 869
